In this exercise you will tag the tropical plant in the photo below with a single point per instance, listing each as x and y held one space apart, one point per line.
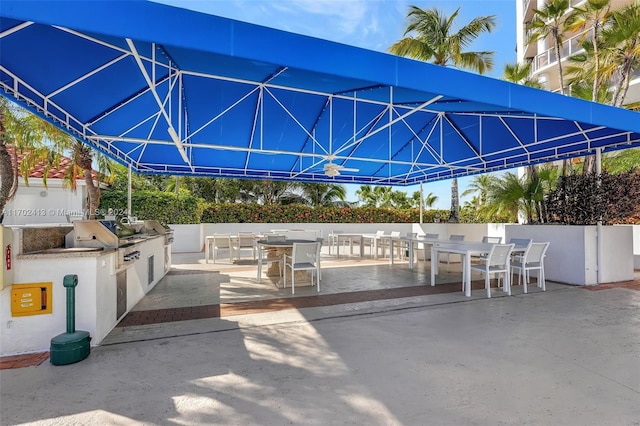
8 175
41 142
506 197
623 37
375 196
428 201
480 185
323 194
435 41
549 21
621 161
591 16
586 199
521 74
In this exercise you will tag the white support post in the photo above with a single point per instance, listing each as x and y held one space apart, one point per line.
599 223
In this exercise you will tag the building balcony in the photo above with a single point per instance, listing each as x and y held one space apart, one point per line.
548 58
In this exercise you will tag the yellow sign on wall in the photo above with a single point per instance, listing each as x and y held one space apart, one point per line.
31 299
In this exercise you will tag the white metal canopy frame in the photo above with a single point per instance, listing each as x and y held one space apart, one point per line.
171 91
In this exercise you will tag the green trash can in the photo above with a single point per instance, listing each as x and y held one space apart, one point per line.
72 346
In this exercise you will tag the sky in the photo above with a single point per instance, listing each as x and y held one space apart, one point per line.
373 25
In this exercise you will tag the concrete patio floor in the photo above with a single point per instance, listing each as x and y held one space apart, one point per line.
566 356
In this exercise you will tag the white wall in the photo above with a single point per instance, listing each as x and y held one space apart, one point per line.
572 254
636 246
36 204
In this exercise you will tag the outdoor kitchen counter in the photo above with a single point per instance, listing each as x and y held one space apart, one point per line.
63 253
109 285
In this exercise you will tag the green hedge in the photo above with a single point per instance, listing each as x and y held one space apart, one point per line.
257 213
167 207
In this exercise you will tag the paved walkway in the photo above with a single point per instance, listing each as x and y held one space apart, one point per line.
568 356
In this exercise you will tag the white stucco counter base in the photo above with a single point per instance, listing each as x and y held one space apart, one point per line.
106 291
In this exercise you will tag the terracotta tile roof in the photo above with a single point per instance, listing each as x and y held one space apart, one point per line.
54 172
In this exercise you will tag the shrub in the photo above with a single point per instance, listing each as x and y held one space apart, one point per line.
166 207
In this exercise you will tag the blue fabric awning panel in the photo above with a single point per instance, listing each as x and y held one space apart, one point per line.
167 90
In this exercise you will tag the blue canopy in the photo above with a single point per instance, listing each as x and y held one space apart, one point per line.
172 91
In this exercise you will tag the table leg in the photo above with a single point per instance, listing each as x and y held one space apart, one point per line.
410 254
467 277
434 266
392 253
207 249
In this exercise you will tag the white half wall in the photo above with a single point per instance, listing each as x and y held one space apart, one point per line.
572 254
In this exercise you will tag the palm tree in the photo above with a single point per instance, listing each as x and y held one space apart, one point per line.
323 194
549 22
41 141
506 197
481 185
435 42
428 202
367 196
520 74
580 72
623 35
384 196
430 199
592 16
8 176
82 159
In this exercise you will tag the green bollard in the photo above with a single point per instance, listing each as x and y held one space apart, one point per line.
72 346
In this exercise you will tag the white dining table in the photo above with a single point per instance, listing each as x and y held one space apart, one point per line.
420 240
466 249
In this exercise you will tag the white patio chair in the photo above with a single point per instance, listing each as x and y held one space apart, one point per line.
487 240
532 260
496 262
522 244
492 240
221 242
454 237
304 257
267 257
426 252
245 241
334 239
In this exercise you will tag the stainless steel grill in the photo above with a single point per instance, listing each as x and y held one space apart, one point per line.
103 234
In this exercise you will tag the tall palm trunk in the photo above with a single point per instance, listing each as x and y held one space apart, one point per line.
556 47
596 76
622 87
85 162
455 202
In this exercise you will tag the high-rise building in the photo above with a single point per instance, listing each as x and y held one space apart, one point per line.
541 54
